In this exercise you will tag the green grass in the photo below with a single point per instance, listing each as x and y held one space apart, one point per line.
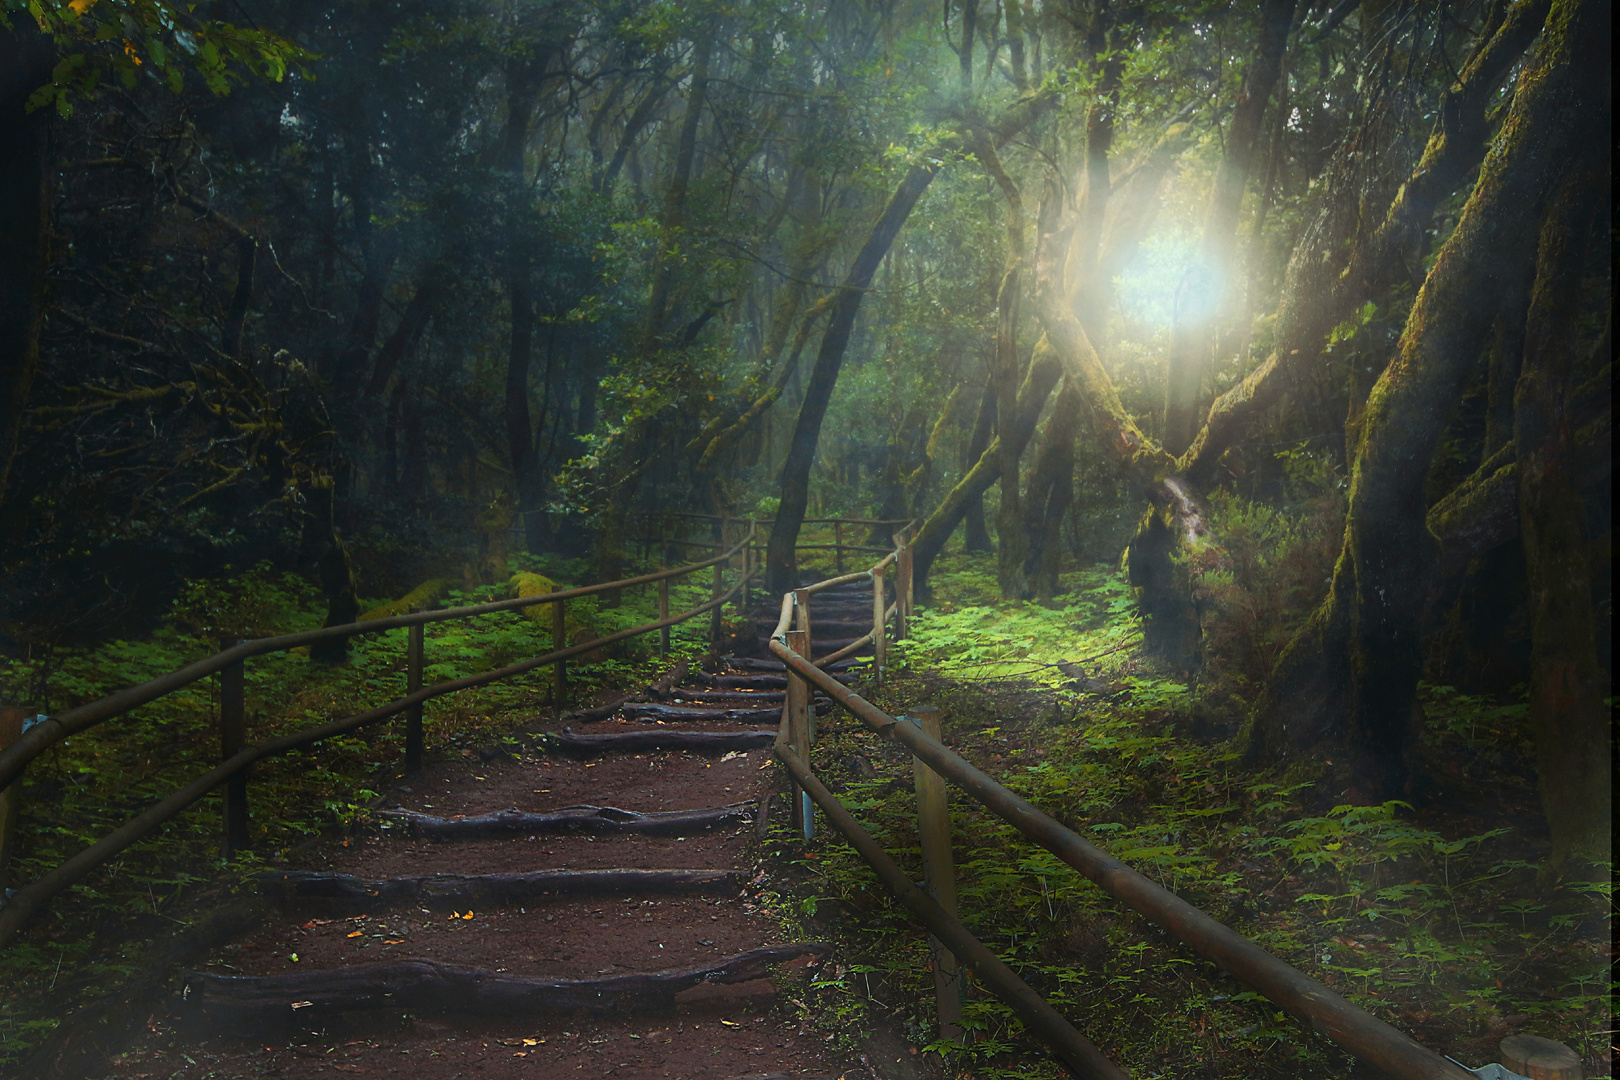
86 940
1436 920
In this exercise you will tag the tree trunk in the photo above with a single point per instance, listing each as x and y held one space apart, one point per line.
781 562
975 536
1203 289
524 75
926 546
1320 290
1568 683
26 58
1051 489
1386 566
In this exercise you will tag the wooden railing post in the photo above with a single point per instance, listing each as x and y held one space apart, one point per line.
663 613
413 683
799 736
902 586
232 737
801 621
559 640
838 544
939 875
11 721
879 649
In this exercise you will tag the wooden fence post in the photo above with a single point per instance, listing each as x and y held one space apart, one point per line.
879 649
11 721
559 640
801 621
939 875
838 544
798 723
902 586
663 613
232 737
413 683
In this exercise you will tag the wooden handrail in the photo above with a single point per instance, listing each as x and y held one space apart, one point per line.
1354 1029
46 733
1077 1052
28 899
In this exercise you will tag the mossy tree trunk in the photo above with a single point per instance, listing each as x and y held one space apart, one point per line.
975 534
1044 370
1371 617
1323 287
1568 683
1051 491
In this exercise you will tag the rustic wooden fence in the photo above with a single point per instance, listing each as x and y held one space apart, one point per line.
1357 1031
237 756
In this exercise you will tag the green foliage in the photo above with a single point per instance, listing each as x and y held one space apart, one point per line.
95 781
123 40
1431 925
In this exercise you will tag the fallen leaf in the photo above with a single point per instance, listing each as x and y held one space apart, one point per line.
396 941
356 933
467 916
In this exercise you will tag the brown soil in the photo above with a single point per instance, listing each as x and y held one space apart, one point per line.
714 1031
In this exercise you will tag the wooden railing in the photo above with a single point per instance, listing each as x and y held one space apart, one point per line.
231 773
1354 1029
839 546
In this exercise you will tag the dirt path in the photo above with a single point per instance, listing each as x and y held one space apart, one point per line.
449 1029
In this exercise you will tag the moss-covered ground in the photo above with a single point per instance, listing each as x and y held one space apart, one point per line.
1436 918
89 939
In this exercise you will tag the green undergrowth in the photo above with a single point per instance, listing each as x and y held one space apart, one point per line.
1439 919
87 940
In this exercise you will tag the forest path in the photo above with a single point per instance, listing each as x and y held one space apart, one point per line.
319 953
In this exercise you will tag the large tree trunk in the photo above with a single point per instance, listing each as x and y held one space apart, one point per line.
1051 490
781 563
1568 683
26 57
1011 542
1386 566
1320 289
975 536
1203 289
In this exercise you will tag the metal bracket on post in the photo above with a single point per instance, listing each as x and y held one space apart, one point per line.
939 874
232 737
413 683
799 736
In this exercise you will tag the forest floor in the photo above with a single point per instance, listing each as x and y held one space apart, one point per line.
1432 916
